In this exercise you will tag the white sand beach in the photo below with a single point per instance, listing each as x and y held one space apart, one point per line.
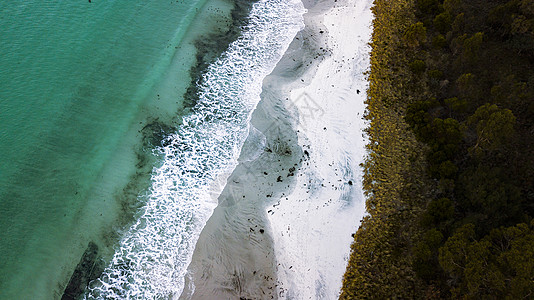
283 225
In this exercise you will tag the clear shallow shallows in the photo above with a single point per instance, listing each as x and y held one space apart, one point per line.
153 256
74 77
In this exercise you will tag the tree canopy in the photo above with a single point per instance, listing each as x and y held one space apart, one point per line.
449 176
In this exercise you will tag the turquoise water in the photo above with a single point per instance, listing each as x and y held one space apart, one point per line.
152 258
107 175
78 80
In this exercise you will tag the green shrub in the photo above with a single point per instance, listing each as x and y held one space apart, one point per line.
472 45
428 6
439 41
415 35
417 66
435 74
455 104
494 126
448 169
443 22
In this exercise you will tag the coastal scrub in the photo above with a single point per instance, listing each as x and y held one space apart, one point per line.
450 165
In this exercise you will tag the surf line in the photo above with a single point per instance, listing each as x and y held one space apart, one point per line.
153 255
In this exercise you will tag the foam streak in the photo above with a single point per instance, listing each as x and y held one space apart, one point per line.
154 254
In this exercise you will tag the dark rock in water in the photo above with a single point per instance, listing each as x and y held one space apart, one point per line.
262 231
155 133
89 268
350 182
307 153
279 179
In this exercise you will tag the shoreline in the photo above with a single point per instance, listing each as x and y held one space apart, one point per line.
110 169
158 247
263 237
166 102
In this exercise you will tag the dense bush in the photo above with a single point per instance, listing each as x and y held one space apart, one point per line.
450 171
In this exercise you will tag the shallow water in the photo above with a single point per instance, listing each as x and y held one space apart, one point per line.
87 92
75 79
152 260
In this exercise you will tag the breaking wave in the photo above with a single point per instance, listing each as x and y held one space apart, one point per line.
153 256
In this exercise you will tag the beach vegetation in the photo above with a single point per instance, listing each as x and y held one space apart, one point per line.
417 66
415 35
443 22
449 175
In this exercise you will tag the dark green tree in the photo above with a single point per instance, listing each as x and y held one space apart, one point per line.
443 22
415 35
494 127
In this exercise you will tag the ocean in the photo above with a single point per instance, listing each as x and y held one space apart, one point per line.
117 120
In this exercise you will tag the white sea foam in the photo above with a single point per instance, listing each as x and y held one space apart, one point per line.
154 254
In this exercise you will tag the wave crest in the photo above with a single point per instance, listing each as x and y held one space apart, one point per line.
154 254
